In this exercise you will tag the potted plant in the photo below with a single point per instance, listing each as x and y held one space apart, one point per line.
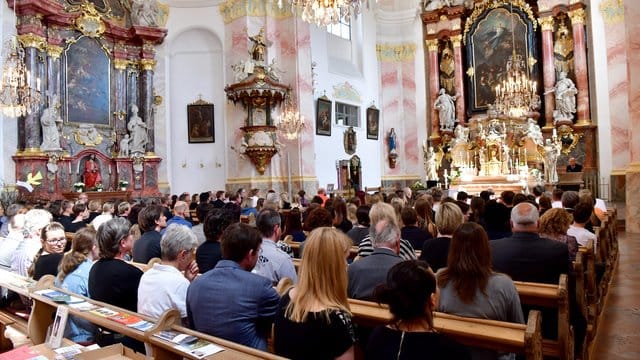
79 186
123 184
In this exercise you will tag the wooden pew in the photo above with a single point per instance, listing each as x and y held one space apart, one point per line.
44 308
545 295
488 334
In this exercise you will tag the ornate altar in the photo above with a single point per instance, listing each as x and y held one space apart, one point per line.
258 89
467 47
94 61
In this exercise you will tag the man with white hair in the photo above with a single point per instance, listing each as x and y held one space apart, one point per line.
525 256
34 221
9 244
370 271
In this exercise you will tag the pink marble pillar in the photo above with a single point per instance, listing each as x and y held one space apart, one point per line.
548 69
432 46
632 208
580 60
457 55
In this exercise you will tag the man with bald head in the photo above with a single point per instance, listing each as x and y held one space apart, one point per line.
180 214
574 166
525 256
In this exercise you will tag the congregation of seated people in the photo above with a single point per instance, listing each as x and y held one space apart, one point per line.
222 254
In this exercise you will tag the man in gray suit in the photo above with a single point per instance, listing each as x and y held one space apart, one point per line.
368 272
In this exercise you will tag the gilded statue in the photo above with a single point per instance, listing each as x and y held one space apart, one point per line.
563 50
447 69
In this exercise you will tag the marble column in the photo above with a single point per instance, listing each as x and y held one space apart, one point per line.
146 100
580 59
432 46
32 128
120 65
548 69
457 55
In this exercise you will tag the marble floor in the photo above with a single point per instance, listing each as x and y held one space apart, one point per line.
619 330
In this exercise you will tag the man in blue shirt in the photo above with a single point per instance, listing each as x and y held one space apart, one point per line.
229 301
180 212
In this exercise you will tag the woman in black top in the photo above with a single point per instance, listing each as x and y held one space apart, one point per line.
412 296
48 257
111 279
209 252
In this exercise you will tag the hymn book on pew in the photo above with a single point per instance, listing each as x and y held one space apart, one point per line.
189 343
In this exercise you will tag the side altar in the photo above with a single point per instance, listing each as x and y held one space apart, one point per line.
94 126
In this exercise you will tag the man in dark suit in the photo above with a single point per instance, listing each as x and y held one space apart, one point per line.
574 166
368 272
525 256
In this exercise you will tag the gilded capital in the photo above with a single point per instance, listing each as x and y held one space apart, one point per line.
32 40
120 64
147 64
456 40
54 51
577 16
432 44
546 23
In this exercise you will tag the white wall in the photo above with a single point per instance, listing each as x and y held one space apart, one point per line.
9 127
191 63
363 76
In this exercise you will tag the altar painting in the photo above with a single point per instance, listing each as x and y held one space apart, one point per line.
489 44
87 79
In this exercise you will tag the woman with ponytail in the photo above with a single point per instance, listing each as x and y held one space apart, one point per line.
48 257
73 275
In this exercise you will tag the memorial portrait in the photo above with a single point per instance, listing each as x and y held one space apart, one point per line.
373 121
200 124
323 117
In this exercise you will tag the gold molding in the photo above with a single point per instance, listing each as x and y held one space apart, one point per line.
54 51
33 41
633 167
432 45
236 9
148 64
493 4
578 16
612 11
396 52
120 64
270 179
546 23
456 40
400 177
32 151
471 71
90 23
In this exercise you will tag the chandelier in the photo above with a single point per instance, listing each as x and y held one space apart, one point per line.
19 92
516 95
324 12
290 122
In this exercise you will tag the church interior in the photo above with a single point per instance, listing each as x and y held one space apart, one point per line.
138 99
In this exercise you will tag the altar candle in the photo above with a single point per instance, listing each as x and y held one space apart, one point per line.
555 134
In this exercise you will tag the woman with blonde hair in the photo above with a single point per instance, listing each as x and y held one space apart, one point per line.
554 224
313 319
73 275
383 211
436 250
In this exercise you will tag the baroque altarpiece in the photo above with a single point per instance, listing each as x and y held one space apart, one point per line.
94 61
467 49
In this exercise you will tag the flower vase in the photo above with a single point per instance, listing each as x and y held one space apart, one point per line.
79 189
123 188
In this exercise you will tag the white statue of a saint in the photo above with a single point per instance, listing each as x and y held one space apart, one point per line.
138 130
566 92
49 120
431 165
124 146
446 110
145 13
534 133
551 153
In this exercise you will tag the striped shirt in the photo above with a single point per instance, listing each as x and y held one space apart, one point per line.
365 248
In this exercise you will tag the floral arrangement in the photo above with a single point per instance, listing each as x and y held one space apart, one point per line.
417 186
99 187
79 186
123 184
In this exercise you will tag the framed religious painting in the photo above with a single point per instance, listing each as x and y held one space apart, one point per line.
323 116
373 122
495 34
200 125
